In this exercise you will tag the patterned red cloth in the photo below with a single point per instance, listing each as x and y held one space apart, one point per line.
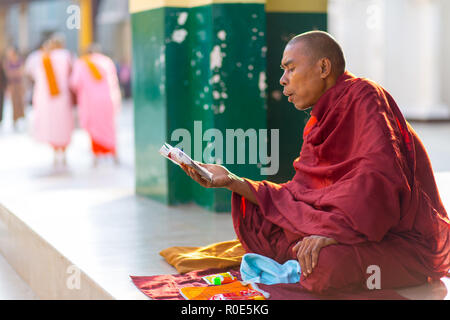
166 287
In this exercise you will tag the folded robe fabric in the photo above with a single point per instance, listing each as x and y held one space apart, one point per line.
217 255
363 178
261 269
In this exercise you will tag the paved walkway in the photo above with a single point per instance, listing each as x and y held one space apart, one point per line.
94 218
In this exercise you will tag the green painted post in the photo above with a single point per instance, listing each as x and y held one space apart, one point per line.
286 18
199 71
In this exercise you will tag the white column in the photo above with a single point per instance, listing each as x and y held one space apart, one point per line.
358 26
445 62
400 44
414 47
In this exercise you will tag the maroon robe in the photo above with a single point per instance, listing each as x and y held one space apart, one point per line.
362 178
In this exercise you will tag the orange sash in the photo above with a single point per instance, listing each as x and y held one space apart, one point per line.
92 68
49 72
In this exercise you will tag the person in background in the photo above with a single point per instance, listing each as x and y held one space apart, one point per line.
2 87
125 78
95 84
13 67
53 121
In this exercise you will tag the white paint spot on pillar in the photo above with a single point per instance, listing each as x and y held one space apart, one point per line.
222 108
216 58
262 84
182 18
205 106
238 64
224 95
216 78
179 35
199 17
216 95
222 35
250 67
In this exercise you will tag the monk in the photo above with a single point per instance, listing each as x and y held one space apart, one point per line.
363 198
95 83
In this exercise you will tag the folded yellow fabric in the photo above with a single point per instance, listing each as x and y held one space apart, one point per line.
217 255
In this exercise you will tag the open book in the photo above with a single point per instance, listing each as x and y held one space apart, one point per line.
178 157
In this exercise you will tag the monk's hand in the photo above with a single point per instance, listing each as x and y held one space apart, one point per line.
307 251
221 177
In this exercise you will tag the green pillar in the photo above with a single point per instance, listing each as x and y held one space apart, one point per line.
199 70
286 18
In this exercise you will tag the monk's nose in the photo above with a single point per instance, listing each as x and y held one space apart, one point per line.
283 80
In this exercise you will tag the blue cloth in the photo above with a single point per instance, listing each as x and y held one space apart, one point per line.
261 269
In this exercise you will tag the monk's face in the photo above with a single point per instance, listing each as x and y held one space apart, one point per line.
302 78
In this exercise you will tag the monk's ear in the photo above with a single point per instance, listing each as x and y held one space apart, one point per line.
325 67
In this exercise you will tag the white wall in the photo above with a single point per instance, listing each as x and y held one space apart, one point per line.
401 45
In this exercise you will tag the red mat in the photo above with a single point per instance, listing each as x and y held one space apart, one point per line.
166 287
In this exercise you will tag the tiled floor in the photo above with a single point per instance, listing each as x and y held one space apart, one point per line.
92 216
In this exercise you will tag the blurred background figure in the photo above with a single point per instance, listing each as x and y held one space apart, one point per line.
125 78
13 68
53 122
2 87
96 86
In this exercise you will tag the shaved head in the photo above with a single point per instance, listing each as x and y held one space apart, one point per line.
320 45
312 63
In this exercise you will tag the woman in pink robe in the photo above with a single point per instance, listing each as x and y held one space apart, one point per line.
95 83
53 120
